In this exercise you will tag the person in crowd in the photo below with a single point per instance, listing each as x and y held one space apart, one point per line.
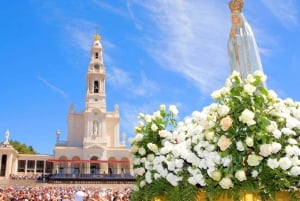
58 193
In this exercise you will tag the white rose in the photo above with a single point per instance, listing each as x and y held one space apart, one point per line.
137 129
152 147
226 183
142 183
254 160
199 179
216 175
213 107
249 89
261 75
295 171
254 173
156 115
288 131
139 137
216 94
292 141
192 181
148 118
272 94
272 127
240 175
292 123
228 83
250 78
285 163
289 150
225 90
173 109
136 161
277 134
141 124
240 146
134 149
223 110
295 161
163 133
276 147
209 135
296 113
141 115
150 157
247 117
142 151
224 143
154 127
226 161
162 107
173 179
249 141
235 74
148 177
265 150
273 163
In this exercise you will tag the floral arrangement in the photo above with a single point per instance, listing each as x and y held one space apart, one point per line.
246 142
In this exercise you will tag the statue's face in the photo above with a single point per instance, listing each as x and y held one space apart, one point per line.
235 19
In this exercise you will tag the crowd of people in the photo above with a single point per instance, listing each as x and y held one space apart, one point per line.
57 193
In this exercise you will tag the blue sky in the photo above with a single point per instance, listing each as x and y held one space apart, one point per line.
158 51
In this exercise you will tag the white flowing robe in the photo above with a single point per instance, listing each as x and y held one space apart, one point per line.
242 49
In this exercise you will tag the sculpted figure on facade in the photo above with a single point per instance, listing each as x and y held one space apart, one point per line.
6 136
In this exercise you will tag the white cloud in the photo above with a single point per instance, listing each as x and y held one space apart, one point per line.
53 87
118 78
284 10
110 8
146 87
80 32
191 39
121 79
137 23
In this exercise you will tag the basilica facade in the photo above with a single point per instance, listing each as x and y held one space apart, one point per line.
93 145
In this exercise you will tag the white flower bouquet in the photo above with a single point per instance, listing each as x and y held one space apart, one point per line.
245 142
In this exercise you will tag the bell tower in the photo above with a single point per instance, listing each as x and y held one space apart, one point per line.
95 78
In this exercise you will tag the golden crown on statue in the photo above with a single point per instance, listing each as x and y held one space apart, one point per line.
236 5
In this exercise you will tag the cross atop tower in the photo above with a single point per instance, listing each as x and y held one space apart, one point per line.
97 36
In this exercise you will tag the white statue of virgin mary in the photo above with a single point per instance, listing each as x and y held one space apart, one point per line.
242 48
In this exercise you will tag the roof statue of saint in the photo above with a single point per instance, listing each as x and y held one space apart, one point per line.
242 48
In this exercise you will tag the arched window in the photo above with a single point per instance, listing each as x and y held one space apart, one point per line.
94 167
96 87
96 67
96 55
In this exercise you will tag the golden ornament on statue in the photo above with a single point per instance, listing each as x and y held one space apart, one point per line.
236 5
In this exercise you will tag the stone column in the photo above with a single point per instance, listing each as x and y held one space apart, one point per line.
0 161
8 166
25 171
